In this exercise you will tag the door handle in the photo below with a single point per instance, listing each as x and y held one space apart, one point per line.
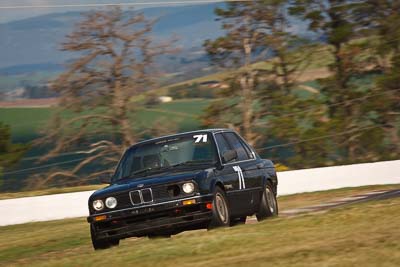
259 165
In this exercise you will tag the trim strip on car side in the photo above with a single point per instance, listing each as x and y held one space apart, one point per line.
241 190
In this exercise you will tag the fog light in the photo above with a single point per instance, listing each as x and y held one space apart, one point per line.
100 218
189 202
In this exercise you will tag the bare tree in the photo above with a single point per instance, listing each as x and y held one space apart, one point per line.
115 61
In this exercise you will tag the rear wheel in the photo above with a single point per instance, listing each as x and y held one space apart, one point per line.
220 210
268 205
101 243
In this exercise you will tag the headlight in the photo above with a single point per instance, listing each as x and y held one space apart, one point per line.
188 188
111 202
98 204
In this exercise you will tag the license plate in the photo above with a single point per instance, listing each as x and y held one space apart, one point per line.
143 210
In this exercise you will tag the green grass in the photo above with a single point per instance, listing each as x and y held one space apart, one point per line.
359 235
25 122
183 113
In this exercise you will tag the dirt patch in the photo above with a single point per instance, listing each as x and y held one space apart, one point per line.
310 75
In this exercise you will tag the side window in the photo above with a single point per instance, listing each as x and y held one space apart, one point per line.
222 144
236 143
248 150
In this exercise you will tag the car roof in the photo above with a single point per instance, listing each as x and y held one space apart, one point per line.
216 130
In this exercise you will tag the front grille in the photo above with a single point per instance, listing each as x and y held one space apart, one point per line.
141 196
166 192
157 193
147 195
124 200
135 197
160 192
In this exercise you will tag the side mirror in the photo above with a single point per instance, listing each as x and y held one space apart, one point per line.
229 156
105 178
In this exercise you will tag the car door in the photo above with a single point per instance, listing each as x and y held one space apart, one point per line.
246 166
230 177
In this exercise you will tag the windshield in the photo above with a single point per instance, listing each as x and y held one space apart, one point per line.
196 149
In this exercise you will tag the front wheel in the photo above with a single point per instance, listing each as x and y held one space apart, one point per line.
268 204
220 210
102 243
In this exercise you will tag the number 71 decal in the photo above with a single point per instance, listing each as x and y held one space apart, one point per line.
241 177
200 138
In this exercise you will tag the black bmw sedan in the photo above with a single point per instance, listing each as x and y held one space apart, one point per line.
163 186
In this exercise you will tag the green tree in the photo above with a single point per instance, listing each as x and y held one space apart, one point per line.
384 21
348 110
254 30
10 153
378 22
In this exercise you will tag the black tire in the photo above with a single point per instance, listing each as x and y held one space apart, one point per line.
102 243
220 210
268 205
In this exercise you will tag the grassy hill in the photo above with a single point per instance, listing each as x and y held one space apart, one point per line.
23 64
28 123
184 113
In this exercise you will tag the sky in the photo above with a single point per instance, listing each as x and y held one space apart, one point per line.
18 11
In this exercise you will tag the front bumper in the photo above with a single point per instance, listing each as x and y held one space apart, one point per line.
170 216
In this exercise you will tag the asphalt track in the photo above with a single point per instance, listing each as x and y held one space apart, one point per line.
373 195
74 205
340 202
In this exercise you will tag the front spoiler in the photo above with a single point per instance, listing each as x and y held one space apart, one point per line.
147 219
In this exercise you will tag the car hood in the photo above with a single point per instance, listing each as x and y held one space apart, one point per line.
148 181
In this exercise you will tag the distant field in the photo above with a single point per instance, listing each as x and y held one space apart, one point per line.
26 122
184 113
13 81
358 235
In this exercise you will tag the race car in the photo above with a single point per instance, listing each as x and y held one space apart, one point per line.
163 186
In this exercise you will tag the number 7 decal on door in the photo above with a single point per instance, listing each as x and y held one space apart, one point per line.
241 177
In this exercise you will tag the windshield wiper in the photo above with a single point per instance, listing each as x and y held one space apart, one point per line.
132 174
141 171
147 170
